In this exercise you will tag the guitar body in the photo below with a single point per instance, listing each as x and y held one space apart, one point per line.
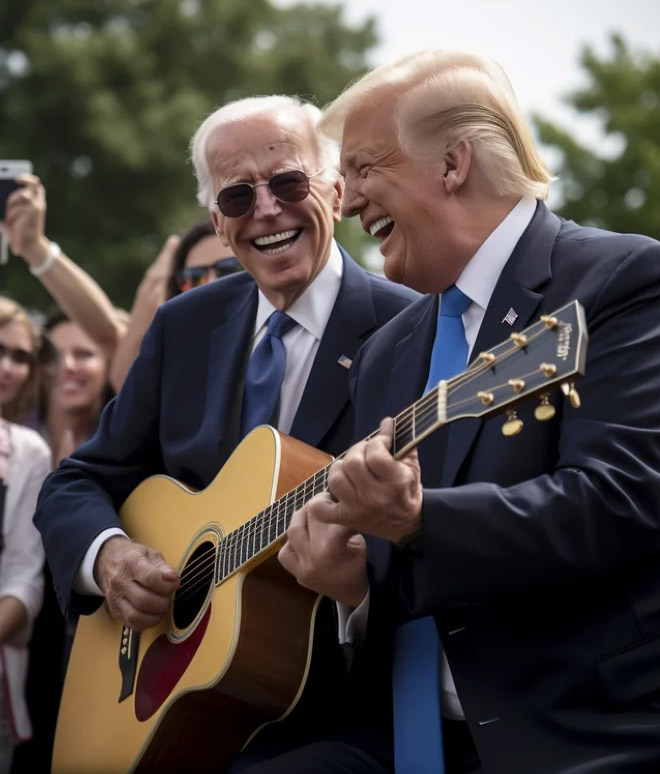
230 657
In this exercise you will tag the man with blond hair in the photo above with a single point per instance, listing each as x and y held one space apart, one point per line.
203 380
510 586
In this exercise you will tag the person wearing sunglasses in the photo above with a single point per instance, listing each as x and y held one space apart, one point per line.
300 311
182 264
24 463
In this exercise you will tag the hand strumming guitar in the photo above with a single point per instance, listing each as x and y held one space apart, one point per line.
369 492
136 581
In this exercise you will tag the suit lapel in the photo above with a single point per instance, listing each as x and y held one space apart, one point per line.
227 357
525 273
408 379
326 393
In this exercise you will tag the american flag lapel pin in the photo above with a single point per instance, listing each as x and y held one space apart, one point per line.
345 361
511 316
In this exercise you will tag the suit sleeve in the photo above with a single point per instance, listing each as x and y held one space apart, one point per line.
81 498
596 512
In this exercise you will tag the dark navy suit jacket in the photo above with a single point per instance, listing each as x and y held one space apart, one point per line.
540 554
179 414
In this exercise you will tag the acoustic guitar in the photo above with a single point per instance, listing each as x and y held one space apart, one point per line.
234 650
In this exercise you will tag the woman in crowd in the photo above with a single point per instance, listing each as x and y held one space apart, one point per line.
24 463
78 388
183 263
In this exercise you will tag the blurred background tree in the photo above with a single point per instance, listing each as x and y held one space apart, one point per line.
619 191
103 96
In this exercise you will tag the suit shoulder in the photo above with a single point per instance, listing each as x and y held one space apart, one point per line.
207 300
576 238
390 293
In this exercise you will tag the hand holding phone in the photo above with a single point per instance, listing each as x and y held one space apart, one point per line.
9 171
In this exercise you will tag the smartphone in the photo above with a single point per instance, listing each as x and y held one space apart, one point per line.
9 171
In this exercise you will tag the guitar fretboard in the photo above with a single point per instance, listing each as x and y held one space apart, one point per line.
261 531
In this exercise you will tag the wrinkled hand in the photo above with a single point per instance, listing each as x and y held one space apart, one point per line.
325 557
25 220
376 494
136 581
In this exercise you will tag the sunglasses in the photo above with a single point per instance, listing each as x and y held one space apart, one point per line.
17 355
237 200
193 276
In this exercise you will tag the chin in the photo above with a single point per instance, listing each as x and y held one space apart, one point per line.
393 270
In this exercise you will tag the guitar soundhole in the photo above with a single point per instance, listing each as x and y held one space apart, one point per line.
197 578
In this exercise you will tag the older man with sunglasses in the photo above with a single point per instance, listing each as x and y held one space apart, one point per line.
269 345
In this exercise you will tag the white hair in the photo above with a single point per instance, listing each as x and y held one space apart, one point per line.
327 149
440 98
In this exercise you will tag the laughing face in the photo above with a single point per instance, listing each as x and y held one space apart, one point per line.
82 369
401 201
283 245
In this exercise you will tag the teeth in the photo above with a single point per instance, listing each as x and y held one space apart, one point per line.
376 226
271 238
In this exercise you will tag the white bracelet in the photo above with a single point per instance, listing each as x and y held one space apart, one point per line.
54 251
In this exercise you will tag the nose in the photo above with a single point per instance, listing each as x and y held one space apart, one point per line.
67 361
354 200
266 204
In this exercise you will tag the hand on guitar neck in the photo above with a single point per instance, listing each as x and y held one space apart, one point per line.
370 492
136 581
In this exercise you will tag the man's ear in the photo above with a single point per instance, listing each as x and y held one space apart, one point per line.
217 225
457 161
337 196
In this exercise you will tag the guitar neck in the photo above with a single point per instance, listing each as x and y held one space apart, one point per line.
263 530
548 353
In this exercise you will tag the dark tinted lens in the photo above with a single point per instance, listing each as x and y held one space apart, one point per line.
235 200
289 186
226 266
190 277
19 356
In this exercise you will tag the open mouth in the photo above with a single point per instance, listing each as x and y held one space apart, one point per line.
381 228
272 244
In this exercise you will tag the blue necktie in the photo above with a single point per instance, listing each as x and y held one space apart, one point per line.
416 671
264 375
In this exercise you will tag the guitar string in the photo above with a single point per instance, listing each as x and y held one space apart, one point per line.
421 412
258 525
253 532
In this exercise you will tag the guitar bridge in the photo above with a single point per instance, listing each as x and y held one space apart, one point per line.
128 652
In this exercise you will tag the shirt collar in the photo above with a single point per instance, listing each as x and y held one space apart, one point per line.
479 277
313 309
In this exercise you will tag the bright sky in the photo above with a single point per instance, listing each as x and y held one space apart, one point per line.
537 43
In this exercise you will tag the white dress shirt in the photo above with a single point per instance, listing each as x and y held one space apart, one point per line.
477 281
311 311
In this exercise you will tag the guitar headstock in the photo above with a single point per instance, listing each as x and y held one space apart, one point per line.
550 353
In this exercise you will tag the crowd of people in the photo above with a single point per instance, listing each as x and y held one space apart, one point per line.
55 379
489 603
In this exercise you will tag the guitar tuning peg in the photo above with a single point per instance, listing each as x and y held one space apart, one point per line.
513 425
545 410
574 397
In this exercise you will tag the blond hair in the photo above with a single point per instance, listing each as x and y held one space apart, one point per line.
327 150
26 399
443 97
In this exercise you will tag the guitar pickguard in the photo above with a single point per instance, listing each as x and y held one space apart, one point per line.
162 666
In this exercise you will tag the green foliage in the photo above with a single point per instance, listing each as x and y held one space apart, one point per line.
103 97
620 193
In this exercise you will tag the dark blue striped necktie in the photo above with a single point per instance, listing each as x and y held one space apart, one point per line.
264 374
